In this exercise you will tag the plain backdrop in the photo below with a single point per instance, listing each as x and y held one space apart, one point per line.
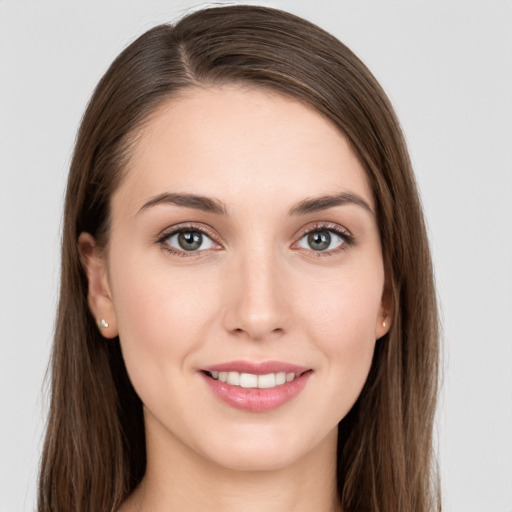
447 67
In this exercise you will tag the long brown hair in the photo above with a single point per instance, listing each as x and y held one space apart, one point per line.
94 453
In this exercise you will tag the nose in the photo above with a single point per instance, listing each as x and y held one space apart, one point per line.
256 308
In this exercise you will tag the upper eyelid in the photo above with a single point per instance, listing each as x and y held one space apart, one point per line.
318 226
190 226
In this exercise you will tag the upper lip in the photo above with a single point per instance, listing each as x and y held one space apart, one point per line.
256 368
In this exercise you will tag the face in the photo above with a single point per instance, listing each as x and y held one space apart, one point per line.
244 277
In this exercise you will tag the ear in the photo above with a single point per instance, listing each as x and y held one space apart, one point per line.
386 311
99 296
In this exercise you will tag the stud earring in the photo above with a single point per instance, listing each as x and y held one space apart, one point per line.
384 324
102 324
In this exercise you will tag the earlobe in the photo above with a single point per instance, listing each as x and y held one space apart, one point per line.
383 326
99 296
386 312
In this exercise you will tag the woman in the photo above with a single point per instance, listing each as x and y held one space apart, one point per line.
247 316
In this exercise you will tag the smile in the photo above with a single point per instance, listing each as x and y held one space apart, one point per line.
256 387
251 380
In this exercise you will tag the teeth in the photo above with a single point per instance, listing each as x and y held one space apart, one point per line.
234 378
267 381
249 380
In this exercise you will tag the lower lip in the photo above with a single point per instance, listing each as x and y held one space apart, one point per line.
255 399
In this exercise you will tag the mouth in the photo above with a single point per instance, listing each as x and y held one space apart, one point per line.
256 387
254 381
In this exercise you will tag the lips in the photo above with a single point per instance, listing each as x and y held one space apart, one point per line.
256 368
256 387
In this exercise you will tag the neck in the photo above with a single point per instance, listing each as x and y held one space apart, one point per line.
179 479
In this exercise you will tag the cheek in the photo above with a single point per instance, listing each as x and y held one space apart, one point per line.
345 307
161 315
153 296
341 320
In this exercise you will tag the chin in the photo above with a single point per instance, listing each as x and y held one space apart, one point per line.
256 460
267 451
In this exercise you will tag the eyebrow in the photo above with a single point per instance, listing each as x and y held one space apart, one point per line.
316 204
202 203
211 205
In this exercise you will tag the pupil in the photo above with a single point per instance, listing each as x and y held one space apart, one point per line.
190 240
319 241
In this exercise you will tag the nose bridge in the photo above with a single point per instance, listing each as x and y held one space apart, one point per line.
255 306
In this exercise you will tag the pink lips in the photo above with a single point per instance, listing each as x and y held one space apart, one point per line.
256 399
256 368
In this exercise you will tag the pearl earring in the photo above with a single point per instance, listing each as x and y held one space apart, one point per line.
102 324
384 324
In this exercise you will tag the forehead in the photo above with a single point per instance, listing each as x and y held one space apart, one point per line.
241 145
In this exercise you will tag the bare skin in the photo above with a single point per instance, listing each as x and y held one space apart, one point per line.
266 278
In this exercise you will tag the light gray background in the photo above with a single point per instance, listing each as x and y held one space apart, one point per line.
447 67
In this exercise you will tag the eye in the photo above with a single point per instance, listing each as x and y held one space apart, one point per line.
322 240
190 240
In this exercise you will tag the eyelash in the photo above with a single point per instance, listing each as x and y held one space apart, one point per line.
347 238
183 229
